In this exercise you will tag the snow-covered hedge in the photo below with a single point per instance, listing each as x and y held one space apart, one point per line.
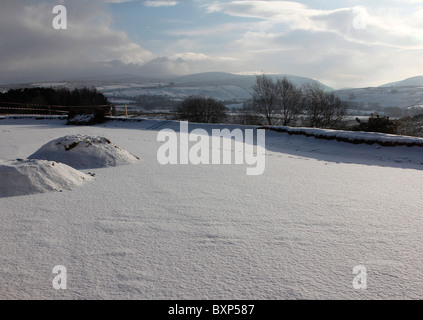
356 137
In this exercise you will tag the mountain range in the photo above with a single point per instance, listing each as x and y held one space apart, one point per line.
237 88
413 81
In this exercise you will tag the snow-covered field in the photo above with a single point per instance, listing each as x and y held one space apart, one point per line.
403 97
147 231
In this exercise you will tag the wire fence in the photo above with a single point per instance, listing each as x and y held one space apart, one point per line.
15 108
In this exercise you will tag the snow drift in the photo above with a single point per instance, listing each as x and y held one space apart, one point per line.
24 177
85 152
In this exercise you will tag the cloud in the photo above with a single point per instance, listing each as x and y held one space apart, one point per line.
33 49
187 63
342 45
159 3
387 25
119 1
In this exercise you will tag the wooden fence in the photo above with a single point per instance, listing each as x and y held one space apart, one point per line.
13 108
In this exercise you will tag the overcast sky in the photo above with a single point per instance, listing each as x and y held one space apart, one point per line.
341 43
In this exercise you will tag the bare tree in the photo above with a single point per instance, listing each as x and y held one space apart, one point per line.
289 100
202 109
322 109
282 100
265 97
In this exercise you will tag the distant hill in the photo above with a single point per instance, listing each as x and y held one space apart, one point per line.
409 82
228 87
243 81
394 101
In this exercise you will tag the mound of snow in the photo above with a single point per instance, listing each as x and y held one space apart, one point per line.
24 177
85 152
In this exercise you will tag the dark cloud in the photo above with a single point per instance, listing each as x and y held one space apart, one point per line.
31 49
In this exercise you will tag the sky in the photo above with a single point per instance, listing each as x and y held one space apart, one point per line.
340 43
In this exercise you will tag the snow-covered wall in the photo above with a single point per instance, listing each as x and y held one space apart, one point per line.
356 137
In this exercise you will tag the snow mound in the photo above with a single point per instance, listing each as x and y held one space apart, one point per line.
24 177
85 152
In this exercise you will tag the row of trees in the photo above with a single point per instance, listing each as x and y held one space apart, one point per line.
277 102
281 102
83 101
60 96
